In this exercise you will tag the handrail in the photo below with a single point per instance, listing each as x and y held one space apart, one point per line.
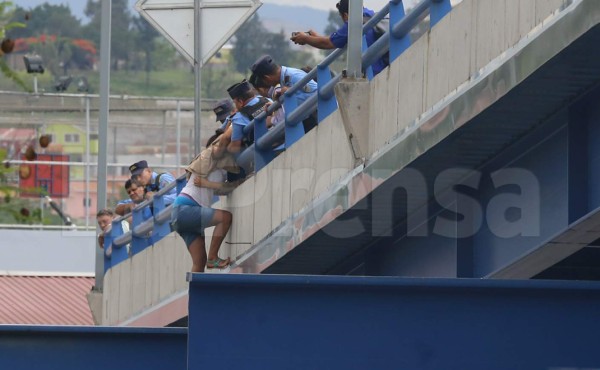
277 134
266 142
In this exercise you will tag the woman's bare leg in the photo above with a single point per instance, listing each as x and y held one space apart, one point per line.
222 220
198 252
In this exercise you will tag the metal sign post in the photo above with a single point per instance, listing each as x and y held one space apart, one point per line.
355 38
197 29
103 126
197 74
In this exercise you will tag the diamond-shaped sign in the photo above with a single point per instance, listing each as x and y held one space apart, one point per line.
219 19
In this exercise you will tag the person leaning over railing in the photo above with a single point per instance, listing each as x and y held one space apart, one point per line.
105 217
265 90
223 110
136 196
339 38
249 105
192 212
152 182
271 74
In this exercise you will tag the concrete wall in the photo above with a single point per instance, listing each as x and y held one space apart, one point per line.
471 36
146 281
466 40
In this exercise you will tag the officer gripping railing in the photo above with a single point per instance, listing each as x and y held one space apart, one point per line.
396 40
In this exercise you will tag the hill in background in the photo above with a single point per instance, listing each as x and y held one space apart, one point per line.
292 18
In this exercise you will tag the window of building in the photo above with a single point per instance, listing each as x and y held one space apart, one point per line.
71 138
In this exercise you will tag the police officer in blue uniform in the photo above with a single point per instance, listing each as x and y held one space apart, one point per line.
223 109
270 73
152 182
339 38
249 105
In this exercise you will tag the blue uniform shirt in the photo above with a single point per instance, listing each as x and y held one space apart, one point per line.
290 76
165 179
340 38
239 121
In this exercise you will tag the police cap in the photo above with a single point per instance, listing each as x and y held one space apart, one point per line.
138 167
263 66
222 109
239 89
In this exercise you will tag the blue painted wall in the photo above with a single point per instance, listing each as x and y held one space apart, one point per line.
561 157
327 322
92 348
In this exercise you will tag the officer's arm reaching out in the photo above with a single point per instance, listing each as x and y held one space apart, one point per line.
313 39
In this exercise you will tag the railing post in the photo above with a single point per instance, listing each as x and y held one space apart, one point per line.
368 69
107 259
326 106
181 181
119 254
159 230
397 45
261 157
138 244
293 130
439 9
355 27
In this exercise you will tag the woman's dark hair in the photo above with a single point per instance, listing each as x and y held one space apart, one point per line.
342 6
213 138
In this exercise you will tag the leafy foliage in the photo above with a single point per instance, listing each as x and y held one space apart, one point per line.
121 25
6 14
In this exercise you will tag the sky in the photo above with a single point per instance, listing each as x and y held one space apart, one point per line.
77 6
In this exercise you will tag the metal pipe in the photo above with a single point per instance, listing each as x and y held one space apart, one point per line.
309 106
87 159
328 91
122 240
164 140
178 134
355 27
105 24
143 229
197 74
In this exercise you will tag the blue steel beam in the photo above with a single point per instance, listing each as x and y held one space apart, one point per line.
92 348
326 322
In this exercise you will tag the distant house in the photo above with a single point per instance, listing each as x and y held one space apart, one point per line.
71 140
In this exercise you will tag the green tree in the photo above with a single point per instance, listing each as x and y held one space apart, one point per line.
121 37
248 44
334 22
146 37
253 40
47 19
7 44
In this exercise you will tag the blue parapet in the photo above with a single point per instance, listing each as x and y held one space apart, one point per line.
397 45
160 229
119 254
91 348
261 157
138 243
368 69
439 9
326 104
293 130
333 322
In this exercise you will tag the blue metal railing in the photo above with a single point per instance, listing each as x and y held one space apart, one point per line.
146 232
